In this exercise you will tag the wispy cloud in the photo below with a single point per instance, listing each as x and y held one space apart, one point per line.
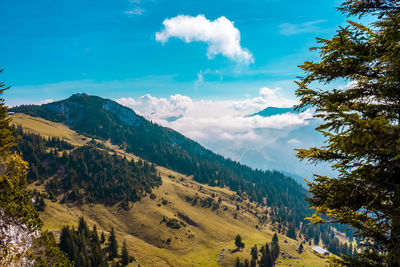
289 29
135 11
221 36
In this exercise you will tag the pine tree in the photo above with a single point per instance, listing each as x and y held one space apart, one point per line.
362 125
237 263
125 255
238 242
301 248
112 245
7 140
275 238
266 259
254 256
102 237
291 232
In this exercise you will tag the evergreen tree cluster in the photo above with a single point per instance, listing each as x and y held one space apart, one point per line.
85 173
266 256
84 247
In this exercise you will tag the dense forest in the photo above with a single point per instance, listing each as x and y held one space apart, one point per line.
85 173
85 248
106 119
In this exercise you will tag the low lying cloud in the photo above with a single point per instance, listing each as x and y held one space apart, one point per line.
223 120
221 36
226 127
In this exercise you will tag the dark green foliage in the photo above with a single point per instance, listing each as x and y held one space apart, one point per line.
112 246
173 223
238 264
86 173
238 242
82 246
7 140
269 253
274 249
291 232
266 259
39 203
361 123
301 248
125 259
102 238
244 264
275 238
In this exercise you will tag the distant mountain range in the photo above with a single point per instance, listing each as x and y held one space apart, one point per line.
272 111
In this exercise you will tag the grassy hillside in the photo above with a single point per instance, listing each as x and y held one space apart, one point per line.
47 128
205 234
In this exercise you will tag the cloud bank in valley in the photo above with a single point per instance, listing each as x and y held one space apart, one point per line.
217 119
221 36
225 126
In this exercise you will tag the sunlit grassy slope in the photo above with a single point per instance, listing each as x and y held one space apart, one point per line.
204 243
47 128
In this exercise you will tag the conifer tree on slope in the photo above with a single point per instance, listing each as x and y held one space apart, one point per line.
362 125
125 258
112 245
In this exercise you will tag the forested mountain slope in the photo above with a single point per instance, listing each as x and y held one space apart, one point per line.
181 223
105 119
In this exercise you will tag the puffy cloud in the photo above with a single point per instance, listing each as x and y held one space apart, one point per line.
204 120
221 36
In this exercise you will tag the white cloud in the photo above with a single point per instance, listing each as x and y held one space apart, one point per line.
289 29
46 101
225 127
221 36
293 141
135 11
204 120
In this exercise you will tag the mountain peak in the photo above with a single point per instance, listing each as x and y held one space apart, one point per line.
272 111
80 95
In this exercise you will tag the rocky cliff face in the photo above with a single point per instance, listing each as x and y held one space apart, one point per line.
125 115
16 242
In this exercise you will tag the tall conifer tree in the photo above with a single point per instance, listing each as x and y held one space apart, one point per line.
112 245
361 123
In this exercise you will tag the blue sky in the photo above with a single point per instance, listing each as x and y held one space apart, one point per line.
206 64
51 49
